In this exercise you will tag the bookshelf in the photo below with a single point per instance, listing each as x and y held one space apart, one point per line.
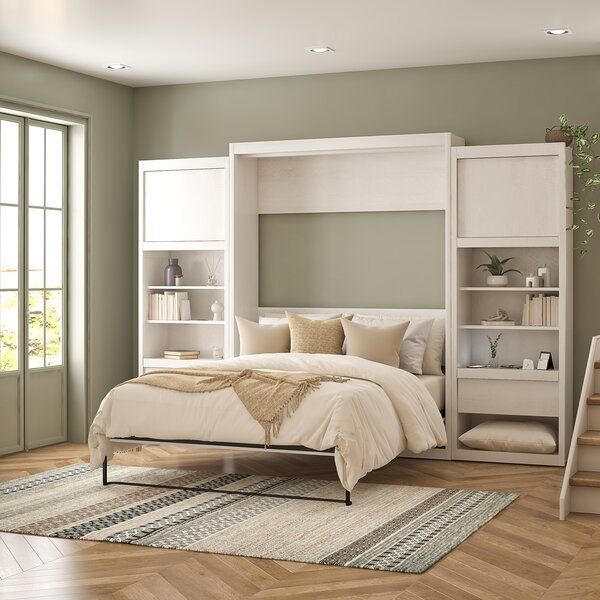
183 214
511 201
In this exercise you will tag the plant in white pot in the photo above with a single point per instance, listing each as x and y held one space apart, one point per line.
497 275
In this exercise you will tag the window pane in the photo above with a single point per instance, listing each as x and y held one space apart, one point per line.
53 248
36 166
36 247
54 167
9 331
35 346
9 247
53 328
9 162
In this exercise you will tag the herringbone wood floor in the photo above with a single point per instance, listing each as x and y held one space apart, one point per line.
524 553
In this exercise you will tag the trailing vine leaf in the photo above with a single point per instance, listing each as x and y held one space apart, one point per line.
586 168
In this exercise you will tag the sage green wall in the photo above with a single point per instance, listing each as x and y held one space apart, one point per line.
353 260
110 107
490 103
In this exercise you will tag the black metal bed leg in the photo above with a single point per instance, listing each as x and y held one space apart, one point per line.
348 501
105 471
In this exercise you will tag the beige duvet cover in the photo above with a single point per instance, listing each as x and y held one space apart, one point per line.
369 420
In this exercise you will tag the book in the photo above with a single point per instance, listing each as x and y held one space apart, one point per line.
185 310
180 297
181 354
494 323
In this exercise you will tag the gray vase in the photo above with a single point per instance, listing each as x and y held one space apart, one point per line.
171 270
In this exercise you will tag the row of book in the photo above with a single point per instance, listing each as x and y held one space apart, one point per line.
540 311
169 306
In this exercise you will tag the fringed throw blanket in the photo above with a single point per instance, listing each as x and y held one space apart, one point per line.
268 396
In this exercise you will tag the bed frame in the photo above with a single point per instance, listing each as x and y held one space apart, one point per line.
436 453
274 448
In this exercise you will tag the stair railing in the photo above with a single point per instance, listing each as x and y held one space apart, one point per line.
587 389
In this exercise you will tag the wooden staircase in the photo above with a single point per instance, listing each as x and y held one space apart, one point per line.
581 485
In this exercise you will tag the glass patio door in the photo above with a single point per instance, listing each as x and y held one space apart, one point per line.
32 271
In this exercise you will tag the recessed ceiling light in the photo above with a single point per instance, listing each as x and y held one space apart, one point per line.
118 67
558 31
321 50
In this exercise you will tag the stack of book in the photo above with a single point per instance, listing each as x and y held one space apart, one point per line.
540 311
169 306
182 354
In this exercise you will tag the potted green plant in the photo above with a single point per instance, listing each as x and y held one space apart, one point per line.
586 215
497 275
559 133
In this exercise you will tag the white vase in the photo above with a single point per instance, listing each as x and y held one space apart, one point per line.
497 280
217 310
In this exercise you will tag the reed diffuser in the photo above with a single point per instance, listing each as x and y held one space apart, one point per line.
212 266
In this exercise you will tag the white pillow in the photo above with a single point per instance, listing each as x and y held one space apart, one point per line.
262 339
276 319
413 347
511 436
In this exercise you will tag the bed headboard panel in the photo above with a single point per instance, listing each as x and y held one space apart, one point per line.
381 312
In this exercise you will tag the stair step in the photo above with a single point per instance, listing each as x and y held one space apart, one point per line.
589 438
586 479
594 400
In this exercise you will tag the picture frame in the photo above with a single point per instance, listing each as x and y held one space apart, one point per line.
545 361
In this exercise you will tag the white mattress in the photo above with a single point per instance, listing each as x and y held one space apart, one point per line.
436 384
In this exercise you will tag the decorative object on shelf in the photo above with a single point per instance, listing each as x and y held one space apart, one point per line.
185 310
181 354
497 275
528 364
585 159
500 318
544 275
171 271
511 367
478 366
532 281
211 266
558 134
178 280
545 362
217 352
494 350
217 310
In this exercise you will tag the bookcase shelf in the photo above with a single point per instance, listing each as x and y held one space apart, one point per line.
190 322
170 363
184 288
191 225
511 327
510 201
527 290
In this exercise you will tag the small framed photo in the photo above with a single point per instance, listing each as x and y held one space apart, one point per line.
545 361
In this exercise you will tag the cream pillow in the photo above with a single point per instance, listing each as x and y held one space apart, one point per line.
414 345
315 337
511 436
262 339
432 359
379 344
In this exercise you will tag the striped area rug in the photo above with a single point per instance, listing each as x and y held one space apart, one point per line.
388 527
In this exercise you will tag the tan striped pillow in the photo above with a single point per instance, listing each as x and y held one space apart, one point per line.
315 337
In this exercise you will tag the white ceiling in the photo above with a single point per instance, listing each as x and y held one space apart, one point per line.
183 41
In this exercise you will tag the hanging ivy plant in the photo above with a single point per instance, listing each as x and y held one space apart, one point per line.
586 167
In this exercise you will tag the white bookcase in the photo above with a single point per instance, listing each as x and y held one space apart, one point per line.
183 214
511 201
